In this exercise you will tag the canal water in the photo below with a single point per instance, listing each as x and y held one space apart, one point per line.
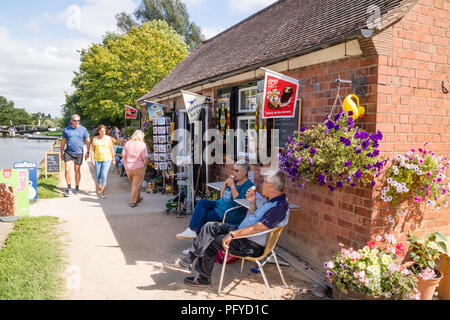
22 149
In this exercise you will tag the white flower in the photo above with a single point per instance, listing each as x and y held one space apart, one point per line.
391 220
361 265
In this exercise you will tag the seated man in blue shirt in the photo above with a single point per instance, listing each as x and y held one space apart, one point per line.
234 187
216 236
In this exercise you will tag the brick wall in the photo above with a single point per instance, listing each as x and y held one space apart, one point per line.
411 108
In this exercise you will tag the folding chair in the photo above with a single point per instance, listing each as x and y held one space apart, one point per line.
269 252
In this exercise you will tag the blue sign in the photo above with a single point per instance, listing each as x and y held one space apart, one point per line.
32 177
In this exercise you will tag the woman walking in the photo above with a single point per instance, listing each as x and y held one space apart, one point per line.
103 155
135 159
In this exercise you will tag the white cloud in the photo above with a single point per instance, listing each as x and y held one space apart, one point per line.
34 71
194 3
248 6
35 77
94 18
210 32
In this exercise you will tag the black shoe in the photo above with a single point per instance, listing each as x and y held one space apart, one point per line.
198 281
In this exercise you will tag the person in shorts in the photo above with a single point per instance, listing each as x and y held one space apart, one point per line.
73 138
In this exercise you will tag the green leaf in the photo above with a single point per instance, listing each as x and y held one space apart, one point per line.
442 246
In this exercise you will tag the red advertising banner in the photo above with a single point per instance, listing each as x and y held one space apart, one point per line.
130 113
280 95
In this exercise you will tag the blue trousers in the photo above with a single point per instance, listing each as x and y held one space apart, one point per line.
101 171
204 212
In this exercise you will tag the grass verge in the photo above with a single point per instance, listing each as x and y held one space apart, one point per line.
32 261
47 187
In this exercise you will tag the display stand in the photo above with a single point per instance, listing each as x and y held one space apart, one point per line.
162 148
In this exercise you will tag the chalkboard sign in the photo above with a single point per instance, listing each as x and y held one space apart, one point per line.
287 126
52 163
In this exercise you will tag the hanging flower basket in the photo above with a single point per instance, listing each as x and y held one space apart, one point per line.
334 153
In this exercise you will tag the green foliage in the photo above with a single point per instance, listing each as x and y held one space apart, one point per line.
425 253
32 261
174 12
9 112
121 70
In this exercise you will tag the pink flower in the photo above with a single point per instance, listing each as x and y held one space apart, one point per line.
378 238
421 161
428 274
371 244
390 238
404 270
417 199
428 174
355 255
393 267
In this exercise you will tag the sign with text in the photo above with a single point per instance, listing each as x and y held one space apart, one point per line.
280 95
52 163
32 177
194 105
14 193
130 112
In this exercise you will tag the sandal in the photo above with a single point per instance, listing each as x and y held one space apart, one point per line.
133 205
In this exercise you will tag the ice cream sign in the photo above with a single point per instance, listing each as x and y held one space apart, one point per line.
280 95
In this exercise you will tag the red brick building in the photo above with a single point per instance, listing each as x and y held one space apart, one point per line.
405 67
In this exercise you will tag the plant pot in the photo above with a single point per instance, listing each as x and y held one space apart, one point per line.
428 287
347 294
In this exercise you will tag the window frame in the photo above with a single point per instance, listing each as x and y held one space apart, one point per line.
240 110
245 154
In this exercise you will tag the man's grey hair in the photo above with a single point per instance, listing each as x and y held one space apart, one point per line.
277 178
75 116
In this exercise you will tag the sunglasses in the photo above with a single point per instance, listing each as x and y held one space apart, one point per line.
75 120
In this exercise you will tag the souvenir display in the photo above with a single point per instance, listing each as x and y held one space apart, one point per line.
161 121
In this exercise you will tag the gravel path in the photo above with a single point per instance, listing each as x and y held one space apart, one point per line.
116 252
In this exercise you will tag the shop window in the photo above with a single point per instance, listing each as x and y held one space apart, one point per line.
246 137
247 99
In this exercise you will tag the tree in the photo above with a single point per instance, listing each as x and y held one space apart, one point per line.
174 12
9 113
121 70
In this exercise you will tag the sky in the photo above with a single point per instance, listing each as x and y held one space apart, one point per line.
40 40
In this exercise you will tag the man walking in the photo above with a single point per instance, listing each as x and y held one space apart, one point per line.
73 138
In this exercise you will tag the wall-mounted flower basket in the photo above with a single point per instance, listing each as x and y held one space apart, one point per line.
334 153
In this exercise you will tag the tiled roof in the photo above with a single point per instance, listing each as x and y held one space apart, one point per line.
286 28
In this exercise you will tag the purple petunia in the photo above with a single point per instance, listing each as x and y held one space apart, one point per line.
331 188
322 179
311 161
358 174
303 129
372 184
348 163
365 144
313 151
339 184
345 141
330 124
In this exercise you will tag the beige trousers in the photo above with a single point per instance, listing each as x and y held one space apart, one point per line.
136 178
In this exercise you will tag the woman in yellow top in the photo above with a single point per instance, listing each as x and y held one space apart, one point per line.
102 155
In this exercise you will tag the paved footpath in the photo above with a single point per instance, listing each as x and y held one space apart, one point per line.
116 252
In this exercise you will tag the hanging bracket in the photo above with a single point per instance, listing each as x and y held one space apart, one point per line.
358 84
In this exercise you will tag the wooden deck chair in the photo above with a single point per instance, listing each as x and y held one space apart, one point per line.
274 235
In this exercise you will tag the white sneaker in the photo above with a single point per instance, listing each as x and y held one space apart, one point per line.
187 251
187 234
